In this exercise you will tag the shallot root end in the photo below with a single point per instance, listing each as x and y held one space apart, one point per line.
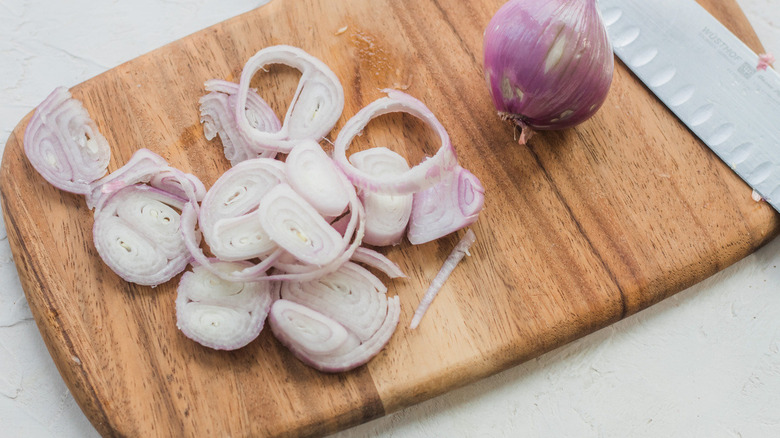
526 132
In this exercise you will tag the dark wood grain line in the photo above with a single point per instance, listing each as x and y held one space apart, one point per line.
139 300
456 34
581 230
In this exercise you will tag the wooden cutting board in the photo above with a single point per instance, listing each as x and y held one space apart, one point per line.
580 229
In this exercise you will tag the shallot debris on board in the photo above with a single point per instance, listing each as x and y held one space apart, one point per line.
461 250
273 237
765 60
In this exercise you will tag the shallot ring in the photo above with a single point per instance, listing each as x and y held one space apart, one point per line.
312 70
419 177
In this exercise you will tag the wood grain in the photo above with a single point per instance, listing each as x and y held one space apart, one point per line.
581 228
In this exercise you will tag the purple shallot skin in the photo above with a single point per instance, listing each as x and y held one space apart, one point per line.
548 64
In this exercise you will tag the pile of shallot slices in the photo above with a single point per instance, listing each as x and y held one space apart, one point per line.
272 239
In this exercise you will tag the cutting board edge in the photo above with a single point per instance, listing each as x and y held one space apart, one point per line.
46 317
460 377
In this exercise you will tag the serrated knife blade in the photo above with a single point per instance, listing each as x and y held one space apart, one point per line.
708 78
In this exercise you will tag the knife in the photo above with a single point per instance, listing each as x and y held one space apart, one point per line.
708 78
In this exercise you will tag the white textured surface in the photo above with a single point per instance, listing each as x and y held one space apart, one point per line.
705 363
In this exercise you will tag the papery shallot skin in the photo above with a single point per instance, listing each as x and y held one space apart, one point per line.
548 64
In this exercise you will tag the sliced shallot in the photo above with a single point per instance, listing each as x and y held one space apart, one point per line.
377 260
298 228
228 215
217 114
386 215
287 233
457 254
64 145
190 234
289 219
136 233
314 176
452 204
315 107
323 343
352 237
178 183
139 168
352 296
419 177
146 166
220 314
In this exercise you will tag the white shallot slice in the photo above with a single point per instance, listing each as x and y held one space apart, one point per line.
379 261
64 145
387 215
138 169
218 118
298 228
452 204
287 267
228 218
308 332
176 182
314 176
146 166
352 296
352 236
323 343
315 107
240 238
457 254
136 233
419 177
238 191
220 314
190 234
